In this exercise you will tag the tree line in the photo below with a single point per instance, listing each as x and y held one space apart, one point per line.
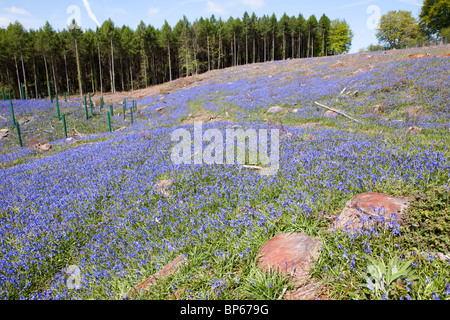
112 58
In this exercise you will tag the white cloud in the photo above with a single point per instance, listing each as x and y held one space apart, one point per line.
213 8
153 11
253 4
90 13
19 11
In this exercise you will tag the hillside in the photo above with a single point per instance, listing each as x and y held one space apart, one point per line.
115 206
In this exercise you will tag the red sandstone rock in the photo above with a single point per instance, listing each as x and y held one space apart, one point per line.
372 205
293 254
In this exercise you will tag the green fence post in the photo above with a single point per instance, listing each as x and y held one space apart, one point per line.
18 135
109 122
64 125
124 108
131 115
58 112
22 91
50 93
12 112
3 94
111 109
91 105
86 111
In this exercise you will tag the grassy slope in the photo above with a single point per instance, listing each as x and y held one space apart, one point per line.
219 223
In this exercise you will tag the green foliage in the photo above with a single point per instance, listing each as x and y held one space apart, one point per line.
341 36
380 277
428 222
375 47
445 34
262 285
434 16
398 28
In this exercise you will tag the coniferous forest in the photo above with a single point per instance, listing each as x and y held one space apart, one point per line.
34 63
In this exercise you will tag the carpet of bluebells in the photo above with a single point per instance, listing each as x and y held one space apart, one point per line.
93 203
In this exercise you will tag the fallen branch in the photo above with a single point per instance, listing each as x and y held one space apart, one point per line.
337 111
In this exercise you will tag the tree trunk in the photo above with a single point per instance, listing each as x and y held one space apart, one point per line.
110 73
273 46
254 49
100 68
170 63
24 76
121 73
220 48
54 77
154 79
307 47
146 69
246 48
209 61
67 74
323 43
92 78
78 69
35 79
18 77
7 74
46 74
293 46
234 48
131 75
113 73
265 49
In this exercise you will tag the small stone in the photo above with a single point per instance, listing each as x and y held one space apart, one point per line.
43 147
275 109
414 130
378 108
25 121
3 133
162 187
331 114
287 135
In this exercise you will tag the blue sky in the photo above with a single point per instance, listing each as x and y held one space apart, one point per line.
360 14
